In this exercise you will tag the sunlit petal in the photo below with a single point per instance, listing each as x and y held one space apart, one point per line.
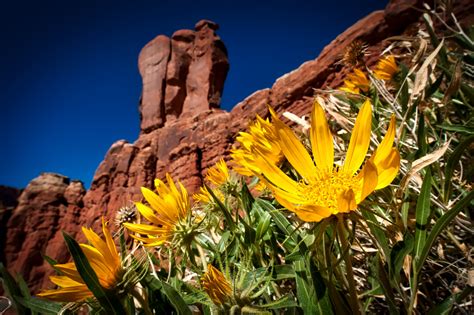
360 139
369 178
321 139
346 201
295 152
388 169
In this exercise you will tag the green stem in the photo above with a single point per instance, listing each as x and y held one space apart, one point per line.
348 262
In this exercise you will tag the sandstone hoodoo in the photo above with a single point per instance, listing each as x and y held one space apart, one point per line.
183 131
183 75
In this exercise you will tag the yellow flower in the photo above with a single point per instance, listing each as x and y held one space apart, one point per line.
355 82
386 68
216 285
325 189
218 174
168 209
261 135
103 258
205 197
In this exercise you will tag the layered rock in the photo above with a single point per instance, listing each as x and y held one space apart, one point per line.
50 203
183 75
183 131
8 202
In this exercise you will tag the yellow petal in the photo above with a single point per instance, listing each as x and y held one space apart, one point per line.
69 269
313 213
158 203
360 139
100 245
143 228
69 294
346 201
292 196
276 176
110 243
369 178
388 169
295 152
97 261
64 281
148 213
321 139
285 203
385 147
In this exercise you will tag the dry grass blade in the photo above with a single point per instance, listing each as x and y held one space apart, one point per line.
423 162
421 77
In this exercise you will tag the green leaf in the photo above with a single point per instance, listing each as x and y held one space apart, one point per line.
12 289
447 305
310 288
423 211
431 89
249 232
385 284
286 301
171 294
225 211
281 272
107 299
39 305
469 130
263 225
246 197
398 253
404 95
176 299
377 232
280 220
441 224
443 56
25 291
452 162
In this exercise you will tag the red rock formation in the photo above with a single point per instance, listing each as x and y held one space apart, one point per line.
50 203
184 75
182 131
8 202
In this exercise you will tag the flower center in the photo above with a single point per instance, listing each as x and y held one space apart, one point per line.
325 189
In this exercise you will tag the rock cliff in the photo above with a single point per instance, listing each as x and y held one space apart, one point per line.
183 131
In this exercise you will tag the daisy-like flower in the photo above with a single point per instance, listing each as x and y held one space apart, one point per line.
261 135
325 189
216 285
168 211
386 68
218 174
104 260
356 82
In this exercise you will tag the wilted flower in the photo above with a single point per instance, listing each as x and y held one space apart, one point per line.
354 53
126 214
355 82
386 68
325 189
168 211
104 260
261 135
216 285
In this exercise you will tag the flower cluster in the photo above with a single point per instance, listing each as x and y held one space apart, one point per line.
280 225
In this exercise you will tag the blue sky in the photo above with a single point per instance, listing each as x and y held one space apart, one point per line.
69 83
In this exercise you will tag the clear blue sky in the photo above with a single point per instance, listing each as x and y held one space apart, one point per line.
69 84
